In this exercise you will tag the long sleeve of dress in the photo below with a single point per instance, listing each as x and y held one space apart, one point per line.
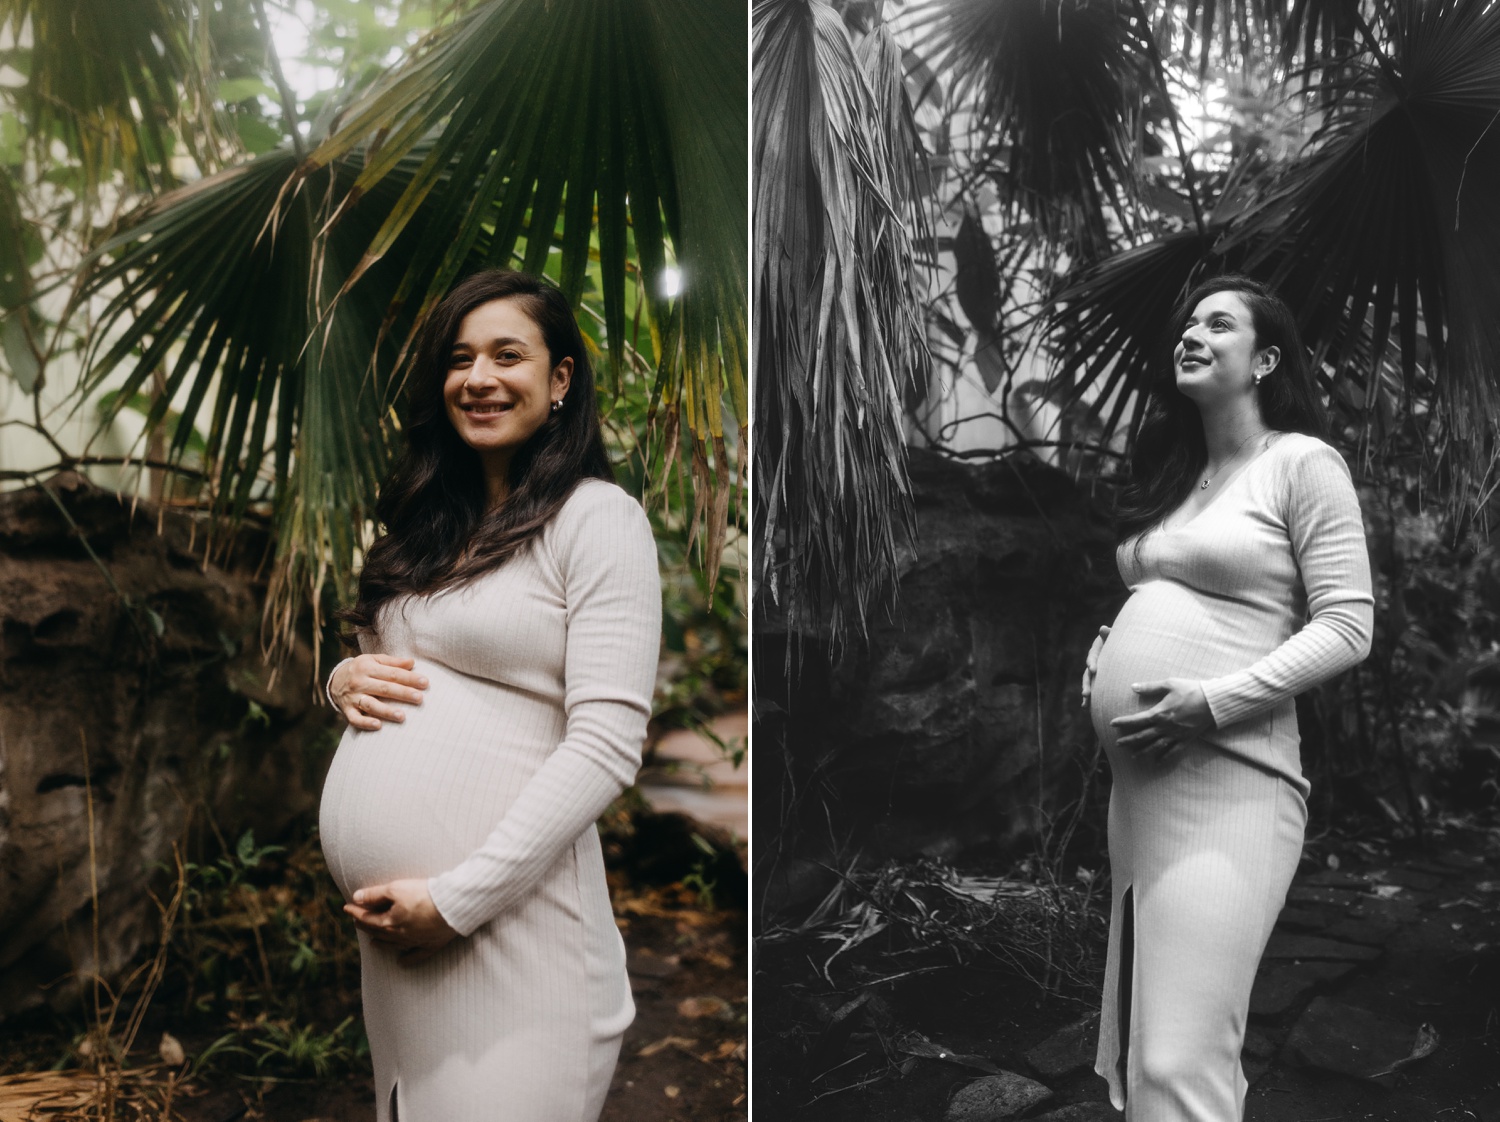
1328 540
606 555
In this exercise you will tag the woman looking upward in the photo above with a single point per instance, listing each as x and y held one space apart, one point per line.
1245 555
509 620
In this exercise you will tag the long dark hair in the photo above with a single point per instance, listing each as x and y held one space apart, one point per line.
1169 452
433 505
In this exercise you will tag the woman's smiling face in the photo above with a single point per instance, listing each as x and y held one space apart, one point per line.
501 382
1216 355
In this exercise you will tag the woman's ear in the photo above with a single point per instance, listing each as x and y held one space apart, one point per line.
1267 361
562 377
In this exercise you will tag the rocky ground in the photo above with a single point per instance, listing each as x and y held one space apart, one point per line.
1378 1000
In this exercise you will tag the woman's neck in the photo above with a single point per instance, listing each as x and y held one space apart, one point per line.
1228 431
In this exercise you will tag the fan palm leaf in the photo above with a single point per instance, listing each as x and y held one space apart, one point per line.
213 288
1391 216
1106 324
1056 85
838 321
624 120
110 78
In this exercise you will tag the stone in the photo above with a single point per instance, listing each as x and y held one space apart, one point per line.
1332 878
1276 990
1437 870
960 716
1371 932
995 1097
1465 862
1081 1112
1408 878
1392 911
1285 945
1305 918
1067 1051
1347 1040
144 707
1335 897
1258 1045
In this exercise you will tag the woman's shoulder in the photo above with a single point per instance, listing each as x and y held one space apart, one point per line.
1302 449
597 513
599 497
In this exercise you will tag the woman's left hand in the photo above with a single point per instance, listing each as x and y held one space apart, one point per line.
1180 715
402 915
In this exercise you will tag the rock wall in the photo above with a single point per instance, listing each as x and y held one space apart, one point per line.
144 707
959 726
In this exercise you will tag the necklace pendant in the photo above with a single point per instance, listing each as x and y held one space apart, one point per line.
1203 486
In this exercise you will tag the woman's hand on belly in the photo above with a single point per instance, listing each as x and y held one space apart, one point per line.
401 914
363 688
1181 714
1091 664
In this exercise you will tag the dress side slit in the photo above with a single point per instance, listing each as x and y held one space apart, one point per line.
1127 973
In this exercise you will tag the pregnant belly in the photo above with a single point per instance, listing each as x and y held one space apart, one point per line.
413 799
1166 630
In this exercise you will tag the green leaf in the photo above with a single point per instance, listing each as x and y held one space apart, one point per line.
231 90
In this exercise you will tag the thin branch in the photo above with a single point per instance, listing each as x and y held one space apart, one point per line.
288 102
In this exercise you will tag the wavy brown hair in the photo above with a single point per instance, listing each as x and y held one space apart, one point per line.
1169 452
439 531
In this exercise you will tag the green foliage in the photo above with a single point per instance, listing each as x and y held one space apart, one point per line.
261 943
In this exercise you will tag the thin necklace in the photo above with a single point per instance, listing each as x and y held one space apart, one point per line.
1209 479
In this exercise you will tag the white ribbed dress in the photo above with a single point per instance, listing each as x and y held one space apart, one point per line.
540 675
1203 847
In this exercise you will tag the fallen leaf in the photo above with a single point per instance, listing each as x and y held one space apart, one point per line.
915 1044
667 1042
707 1006
1425 1045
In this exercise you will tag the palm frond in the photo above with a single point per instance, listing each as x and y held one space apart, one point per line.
838 322
1056 85
213 288
1106 325
110 78
1391 216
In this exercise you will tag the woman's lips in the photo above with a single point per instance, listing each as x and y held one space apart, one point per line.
487 410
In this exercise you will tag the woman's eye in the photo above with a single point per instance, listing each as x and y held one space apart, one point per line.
510 356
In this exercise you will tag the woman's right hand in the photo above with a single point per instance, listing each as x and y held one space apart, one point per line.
1091 665
364 687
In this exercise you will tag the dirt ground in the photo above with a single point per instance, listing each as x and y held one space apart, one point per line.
682 1059
1398 934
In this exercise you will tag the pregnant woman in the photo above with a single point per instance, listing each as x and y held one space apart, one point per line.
509 621
1245 556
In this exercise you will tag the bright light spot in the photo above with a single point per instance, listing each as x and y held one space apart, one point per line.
289 26
671 282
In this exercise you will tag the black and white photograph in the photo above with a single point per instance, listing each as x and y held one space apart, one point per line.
1125 610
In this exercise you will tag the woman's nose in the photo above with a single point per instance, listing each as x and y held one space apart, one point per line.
482 373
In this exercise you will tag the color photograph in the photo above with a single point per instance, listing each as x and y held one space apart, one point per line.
373 560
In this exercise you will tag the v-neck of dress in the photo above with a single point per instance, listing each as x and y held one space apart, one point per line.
1233 479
